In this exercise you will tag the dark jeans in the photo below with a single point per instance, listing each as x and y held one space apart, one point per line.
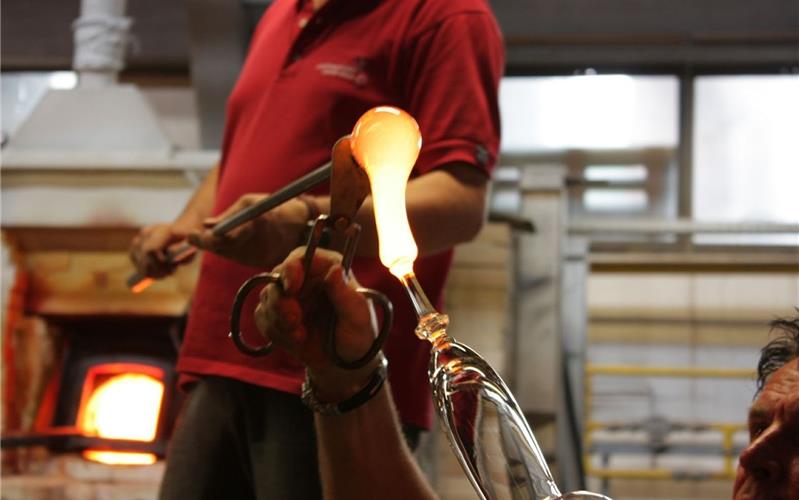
239 441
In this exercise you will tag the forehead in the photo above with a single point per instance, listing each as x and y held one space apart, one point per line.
781 391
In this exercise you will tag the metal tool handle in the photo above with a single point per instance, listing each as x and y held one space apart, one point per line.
317 231
388 317
296 188
352 233
381 300
137 282
235 315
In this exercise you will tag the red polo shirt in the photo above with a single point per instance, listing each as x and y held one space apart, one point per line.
307 79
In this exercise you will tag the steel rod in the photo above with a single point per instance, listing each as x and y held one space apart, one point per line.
137 283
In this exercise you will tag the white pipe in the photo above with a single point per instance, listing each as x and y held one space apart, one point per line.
587 225
101 39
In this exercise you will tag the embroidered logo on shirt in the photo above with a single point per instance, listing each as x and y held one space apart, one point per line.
352 72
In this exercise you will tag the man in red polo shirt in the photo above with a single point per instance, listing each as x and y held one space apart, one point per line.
313 68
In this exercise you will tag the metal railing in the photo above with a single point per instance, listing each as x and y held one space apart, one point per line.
727 430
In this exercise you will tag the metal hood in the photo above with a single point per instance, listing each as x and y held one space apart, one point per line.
100 115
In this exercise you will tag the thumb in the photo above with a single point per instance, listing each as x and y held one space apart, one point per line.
346 301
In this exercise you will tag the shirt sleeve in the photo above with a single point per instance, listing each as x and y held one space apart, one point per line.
452 79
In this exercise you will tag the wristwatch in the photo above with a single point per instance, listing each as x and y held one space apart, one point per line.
372 387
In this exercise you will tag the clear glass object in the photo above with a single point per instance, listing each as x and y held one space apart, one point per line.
485 426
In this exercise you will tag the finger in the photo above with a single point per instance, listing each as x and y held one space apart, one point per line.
197 239
268 298
184 256
154 241
149 250
207 240
346 301
281 319
262 320
243 202
134 252
264 293
354 330
292 271
158 237
297 253
279 312
292 275
289 321
323 260
234 238
268 314
157 265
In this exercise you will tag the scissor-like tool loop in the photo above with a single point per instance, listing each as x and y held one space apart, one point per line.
235 334
349 186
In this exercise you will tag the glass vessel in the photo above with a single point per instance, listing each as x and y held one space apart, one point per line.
485 426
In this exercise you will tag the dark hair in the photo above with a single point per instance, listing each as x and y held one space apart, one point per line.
779 351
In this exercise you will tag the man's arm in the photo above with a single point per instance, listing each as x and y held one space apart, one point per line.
445 207
452 61
362 451
201 203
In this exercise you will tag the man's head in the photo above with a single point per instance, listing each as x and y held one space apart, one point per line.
769 466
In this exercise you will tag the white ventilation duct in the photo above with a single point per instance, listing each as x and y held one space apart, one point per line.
98 152
99 115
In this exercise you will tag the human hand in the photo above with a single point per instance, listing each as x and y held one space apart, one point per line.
262 242
295 317
149 250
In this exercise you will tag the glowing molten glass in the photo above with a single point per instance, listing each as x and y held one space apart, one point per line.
125 406
386 143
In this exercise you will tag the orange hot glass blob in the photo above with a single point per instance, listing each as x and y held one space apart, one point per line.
386 142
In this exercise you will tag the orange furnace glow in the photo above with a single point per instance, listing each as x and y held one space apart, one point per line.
124 406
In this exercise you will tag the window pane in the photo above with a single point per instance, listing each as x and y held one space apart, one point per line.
746 154
616 173
588 112
615 134
616 200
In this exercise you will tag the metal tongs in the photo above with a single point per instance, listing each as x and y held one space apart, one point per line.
349 186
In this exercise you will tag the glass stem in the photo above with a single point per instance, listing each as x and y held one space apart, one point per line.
432 324
420 302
